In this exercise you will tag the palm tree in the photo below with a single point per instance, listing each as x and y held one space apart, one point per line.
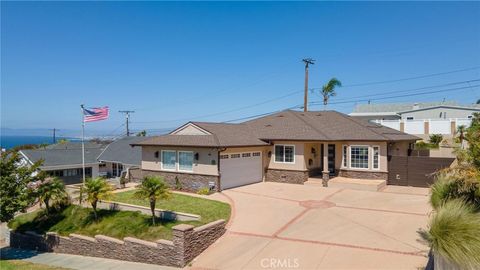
461 134
328 90
96 189
153 188
51 191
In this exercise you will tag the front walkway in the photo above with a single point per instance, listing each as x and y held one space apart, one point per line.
310 227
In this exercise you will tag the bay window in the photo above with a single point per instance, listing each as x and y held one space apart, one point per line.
359 157
284 153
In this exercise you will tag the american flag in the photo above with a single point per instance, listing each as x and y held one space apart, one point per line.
95 114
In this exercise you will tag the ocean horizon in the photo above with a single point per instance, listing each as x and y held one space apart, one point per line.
10 141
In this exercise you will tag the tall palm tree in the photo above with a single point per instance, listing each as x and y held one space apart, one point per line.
96 189
328 90
153 188
50 191
461 134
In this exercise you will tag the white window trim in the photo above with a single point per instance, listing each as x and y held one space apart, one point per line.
373 153
161 160
350 154
178 160
283 162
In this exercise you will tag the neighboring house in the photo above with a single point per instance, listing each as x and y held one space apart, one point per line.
119 156
415 111
64 160
288 146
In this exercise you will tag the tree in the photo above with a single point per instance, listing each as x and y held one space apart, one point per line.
436 139
478 101
328 90
153 188
14 179
142 133
96 189
461 134
51 191
473 138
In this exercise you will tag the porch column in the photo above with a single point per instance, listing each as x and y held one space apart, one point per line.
325 172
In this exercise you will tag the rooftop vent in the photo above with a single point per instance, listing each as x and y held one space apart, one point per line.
280 115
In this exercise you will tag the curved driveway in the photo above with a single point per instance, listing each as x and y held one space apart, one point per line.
284 226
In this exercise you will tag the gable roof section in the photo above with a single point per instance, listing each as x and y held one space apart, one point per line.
121 151
475 107
398 107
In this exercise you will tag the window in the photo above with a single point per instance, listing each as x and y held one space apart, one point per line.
223 156
359 157
185 161
246 154
285 153
256 154
235 155
376 156
345 151
169 159
410 118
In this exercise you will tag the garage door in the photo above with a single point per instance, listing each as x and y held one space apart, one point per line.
238 169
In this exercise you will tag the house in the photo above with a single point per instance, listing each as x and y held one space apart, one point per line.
415 111
288 146
64 160
119 156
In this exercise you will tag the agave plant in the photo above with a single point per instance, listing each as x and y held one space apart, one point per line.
152 188
96 189
454 235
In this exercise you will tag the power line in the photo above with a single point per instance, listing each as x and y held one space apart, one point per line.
410 78
127 116
317 103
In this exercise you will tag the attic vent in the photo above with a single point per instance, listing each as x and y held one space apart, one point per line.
268 125
281 115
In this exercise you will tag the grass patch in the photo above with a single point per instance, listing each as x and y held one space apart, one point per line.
209 210
76 219
21 265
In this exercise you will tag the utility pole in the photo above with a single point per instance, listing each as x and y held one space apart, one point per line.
54 135
307 61
127 117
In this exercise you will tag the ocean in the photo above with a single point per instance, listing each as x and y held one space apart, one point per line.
8 142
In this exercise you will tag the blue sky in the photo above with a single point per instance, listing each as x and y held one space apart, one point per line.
172 61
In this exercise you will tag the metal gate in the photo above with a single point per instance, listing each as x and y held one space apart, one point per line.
414 171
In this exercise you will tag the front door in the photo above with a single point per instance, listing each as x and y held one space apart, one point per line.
331 159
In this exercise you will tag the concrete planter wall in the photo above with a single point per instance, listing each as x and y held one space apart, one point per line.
187 243
441 263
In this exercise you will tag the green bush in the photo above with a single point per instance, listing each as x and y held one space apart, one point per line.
178 184
436 139
454 233
204 191
455 186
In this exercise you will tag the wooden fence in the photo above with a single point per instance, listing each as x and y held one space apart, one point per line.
414 171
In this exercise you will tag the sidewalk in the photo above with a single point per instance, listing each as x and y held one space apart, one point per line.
75 261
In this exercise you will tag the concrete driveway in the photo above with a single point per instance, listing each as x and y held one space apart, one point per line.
284 226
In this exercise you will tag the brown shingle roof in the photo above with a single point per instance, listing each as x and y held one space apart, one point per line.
286 125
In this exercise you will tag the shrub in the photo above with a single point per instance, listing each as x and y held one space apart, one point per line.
436 139
454 234
178 184
459 185
204 191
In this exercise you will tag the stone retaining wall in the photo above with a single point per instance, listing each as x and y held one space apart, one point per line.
189 182
187 243
363 175
286 176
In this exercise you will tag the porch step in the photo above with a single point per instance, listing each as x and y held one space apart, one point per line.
359 184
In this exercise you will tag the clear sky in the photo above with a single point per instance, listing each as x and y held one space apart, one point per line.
172 62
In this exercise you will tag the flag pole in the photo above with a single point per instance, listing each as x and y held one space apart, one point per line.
83 143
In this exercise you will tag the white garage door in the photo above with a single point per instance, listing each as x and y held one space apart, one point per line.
240 169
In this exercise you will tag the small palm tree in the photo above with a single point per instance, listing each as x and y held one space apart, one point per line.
153 188
328 90
50 191
96 189
461 134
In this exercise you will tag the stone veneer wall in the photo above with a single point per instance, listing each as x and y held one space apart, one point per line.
187 243
363 174
190 182
286 176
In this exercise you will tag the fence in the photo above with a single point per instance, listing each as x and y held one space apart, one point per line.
426 126
414 170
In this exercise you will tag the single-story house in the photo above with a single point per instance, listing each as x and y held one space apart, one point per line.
119 156
64 160
289 146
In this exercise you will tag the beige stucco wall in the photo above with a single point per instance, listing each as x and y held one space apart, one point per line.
201 166
398 148
299 162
